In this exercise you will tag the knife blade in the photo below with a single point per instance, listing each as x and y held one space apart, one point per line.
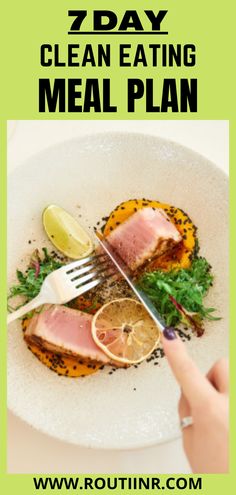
125 272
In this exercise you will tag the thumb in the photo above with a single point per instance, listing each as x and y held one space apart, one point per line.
193 383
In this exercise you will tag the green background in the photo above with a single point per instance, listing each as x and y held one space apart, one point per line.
25 25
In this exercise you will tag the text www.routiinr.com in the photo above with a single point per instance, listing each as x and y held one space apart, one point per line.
117 483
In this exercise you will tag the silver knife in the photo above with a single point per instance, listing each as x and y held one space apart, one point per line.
125 272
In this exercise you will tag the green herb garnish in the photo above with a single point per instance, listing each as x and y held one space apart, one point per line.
187 286
30 282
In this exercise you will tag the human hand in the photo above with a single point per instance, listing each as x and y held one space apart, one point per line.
205 399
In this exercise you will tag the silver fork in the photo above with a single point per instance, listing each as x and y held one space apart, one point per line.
68 282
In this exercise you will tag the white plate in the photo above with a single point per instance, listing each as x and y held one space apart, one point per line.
97 173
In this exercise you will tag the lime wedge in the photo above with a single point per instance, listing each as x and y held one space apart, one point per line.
65 233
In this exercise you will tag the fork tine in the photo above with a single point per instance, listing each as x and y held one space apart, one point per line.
76 264
77 273
81 289
84 288
82 280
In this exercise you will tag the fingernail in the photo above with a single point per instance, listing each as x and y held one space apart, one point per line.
169 333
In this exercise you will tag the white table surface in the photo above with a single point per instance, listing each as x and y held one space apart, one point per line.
30 451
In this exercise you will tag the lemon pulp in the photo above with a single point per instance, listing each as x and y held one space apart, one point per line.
124 331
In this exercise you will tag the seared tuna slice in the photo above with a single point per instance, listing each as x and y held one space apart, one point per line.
146 234
66 331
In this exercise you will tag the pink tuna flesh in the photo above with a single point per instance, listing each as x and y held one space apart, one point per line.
145 234
66 331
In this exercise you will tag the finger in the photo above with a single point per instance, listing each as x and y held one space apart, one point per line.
185 411
184 407
219 376
194 384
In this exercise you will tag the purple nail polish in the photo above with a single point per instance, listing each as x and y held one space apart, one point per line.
169 333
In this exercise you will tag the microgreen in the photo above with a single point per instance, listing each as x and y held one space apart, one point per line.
186 286
30 282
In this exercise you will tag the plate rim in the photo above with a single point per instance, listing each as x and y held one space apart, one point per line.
113 133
